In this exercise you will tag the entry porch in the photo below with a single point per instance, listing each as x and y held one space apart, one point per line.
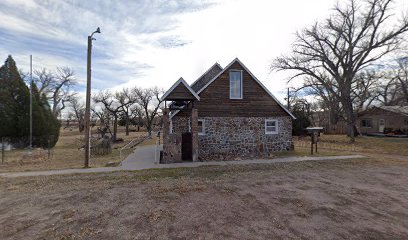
180 133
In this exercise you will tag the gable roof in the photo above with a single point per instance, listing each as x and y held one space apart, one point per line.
206 77
249 72
396 109
183 84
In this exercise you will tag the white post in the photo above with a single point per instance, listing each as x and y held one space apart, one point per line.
155 153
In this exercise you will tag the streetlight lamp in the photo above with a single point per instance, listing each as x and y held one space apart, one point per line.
88 101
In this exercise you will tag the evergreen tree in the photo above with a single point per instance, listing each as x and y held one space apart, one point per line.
14 101
45 125
15 107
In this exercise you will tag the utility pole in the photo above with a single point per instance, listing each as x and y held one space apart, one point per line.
288 100
88 102
31 102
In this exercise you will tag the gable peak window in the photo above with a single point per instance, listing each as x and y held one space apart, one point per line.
235 77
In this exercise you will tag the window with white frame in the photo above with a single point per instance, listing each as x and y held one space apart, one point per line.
271 126
201 127
235 84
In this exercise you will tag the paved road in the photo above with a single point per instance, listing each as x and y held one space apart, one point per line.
143 158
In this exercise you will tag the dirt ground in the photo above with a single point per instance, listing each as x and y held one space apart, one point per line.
346 199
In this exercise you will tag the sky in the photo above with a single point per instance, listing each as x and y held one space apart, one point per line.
148 43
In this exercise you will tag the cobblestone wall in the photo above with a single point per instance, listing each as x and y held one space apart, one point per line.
172 148
172 141
229 138
181 124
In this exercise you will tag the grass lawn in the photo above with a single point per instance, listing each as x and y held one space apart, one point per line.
345 199
364 144
385 145
66 154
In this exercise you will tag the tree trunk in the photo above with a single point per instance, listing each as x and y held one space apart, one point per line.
138 123
351 122
149 127
81 125
115 128
127 126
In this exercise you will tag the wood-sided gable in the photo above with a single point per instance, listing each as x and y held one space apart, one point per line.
257 100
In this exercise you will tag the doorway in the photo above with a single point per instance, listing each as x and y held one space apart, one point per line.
187 147
381 125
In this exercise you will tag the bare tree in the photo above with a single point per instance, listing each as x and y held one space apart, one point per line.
365 92
110 103
79 111
393 87
56 86
324 99
44 79
137 115
150 102
401 79
103 115
332 53
126 99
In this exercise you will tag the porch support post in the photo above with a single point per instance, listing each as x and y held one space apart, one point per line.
165 127
194 133
165 134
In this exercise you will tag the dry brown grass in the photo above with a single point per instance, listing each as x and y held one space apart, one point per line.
364 144
66 154
387 145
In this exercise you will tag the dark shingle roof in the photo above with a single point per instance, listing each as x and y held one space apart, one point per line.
206 77
397 109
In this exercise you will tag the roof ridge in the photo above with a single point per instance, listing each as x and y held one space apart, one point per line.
208 70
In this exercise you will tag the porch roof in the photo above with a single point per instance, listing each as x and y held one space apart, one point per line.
180 91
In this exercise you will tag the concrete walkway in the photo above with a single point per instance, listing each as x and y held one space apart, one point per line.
143 158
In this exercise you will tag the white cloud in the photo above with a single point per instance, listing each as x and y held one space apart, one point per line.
153 43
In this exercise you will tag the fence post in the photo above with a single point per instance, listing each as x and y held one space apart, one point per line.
2 150
48 148
311 147
312 139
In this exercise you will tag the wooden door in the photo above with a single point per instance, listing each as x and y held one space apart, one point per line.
187 146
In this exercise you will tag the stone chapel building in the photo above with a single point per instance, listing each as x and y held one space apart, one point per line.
226 114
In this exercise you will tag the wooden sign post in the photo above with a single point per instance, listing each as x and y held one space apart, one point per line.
314 137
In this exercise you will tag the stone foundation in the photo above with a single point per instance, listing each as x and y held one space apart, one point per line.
230 138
